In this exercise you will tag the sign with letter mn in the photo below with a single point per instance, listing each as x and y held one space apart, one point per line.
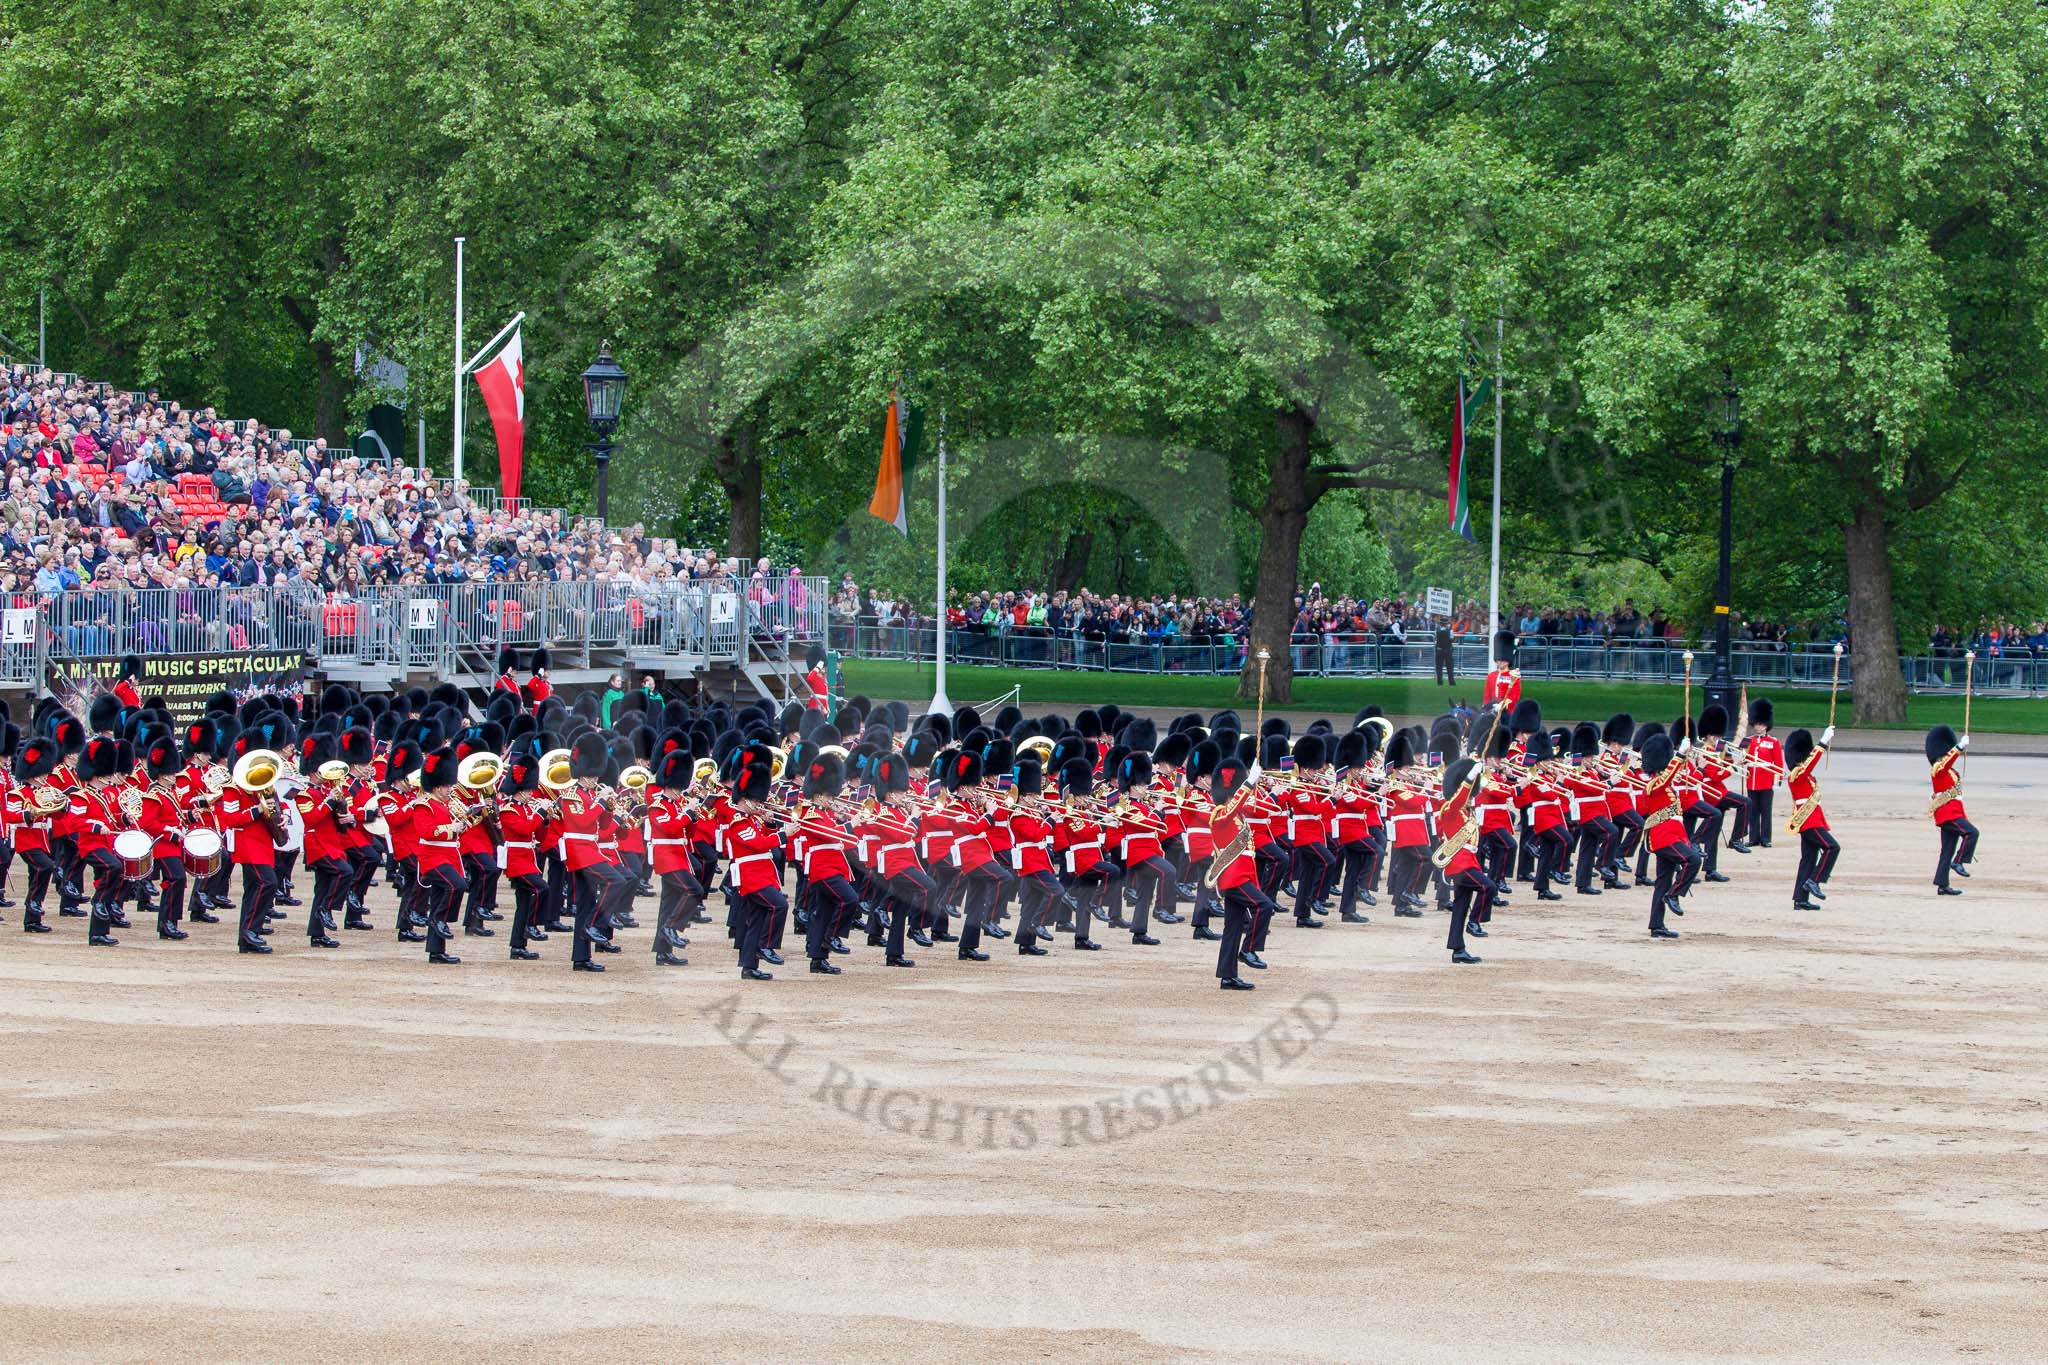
1439 602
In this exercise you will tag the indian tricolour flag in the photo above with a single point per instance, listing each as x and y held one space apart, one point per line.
902 432
1472 401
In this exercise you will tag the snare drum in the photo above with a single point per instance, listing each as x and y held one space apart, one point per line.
202 853
136 850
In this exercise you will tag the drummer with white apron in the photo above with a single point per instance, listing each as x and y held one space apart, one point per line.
162 819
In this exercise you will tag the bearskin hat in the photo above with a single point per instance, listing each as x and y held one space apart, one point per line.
522 774
890 773
1941 742
962 770
1713 723
1644 732
1311 752
825 776
1504 646
1526 718
753 782
1135 770
1799 747
1173 750
1585 740
101 757
104 714
588 756
1760 711
1457 772
37 757
508 660
160 757
1620 729
1230 774
1400 750
1077 778
1029 775
1656 754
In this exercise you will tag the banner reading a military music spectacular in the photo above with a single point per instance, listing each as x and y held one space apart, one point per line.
184 681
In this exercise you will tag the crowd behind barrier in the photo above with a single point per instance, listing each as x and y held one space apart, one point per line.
1315 656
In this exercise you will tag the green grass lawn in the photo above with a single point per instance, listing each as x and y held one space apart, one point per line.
1340 697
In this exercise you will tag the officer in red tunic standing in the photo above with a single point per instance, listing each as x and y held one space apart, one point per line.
1503 680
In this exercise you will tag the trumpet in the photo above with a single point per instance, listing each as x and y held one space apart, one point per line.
554 771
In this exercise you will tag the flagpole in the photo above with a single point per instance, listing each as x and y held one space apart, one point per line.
1500 330
941 705
457 462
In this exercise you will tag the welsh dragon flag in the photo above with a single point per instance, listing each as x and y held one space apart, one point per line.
1472 401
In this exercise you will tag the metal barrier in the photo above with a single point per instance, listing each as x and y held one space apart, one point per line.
1387 656
433 628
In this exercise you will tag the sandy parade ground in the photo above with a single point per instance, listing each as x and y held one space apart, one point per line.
1785 1136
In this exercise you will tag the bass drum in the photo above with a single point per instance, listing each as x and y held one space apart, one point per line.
137 852
202 853
294 825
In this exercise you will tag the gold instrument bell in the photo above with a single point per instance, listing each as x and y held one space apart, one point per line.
333 770
554 771
257 771
637 777
479 772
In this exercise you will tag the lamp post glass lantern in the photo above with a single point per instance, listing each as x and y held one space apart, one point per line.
1727 415
604 393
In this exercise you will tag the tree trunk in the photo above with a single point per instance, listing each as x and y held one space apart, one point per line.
328 397
737 462
1880 686
1072 563
1282 518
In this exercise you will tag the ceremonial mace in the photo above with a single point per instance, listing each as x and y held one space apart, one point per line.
1969 677
1833 686
1688 694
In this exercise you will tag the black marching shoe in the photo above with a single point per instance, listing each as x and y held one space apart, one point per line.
251 944
323 942
756 974
1206 935
1588 890
479 930
1948 891
1046 935
1674 906
1167 917
607 947
1232 983
944 937
1145 940
411 936
838 945
172 932
1028 949
900 962
36 926
588 966
205 917
1353 917
1959 870
1252 960
1475 931
443 959
824 967
1548 895
71 911
1407 912
972 955
771 957
1812 888
1717 876
996 931
525 955
920 938
1663 933
1804 905
1739 846
1308 924
1461 957
109 941
488 914
1088 945
357 924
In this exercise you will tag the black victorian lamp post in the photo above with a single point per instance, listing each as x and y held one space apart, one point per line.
1727 420
604 391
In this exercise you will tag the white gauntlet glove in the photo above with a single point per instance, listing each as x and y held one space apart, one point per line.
1827 737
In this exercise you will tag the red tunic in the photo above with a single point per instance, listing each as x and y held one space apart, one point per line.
249 838
521 822
895 840
1502 689
1409 820
437 844
1242 868
668 829
1030 843
1947 779
1803 787
753 845
1766 757
1078 841
582 824
1662 824
323 838
1450 820
396 807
